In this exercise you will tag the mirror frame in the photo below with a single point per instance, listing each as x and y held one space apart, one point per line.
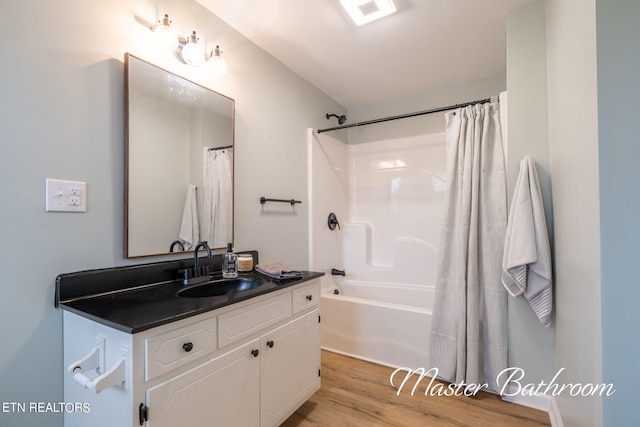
127 162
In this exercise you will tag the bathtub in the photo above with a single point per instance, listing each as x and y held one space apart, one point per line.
383 323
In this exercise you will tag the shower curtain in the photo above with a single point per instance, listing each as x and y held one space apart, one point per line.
469 330
217 207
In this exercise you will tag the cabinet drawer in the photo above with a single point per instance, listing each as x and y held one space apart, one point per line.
249 319
306 297
175 348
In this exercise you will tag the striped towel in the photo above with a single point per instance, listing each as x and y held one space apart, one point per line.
526 261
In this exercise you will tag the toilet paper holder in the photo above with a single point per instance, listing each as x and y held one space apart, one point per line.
95 361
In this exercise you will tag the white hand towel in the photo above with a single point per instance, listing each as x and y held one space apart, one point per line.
526 262
189 228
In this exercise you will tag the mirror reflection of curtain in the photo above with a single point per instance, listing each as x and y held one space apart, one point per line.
216 207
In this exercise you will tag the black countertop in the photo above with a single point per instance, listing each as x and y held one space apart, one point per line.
135 307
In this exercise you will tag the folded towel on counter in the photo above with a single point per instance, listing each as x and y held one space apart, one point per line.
526 263
278 271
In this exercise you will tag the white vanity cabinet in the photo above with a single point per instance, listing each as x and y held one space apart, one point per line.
252 363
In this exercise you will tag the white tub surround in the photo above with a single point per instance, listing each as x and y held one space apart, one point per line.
388 196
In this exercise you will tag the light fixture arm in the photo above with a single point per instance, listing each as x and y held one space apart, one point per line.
215 52
164 22
188 49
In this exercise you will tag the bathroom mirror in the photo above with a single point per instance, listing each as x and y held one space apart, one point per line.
179 140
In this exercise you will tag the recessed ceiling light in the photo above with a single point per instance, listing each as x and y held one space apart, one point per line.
364 11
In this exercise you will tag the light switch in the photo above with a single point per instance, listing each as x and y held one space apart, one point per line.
65 196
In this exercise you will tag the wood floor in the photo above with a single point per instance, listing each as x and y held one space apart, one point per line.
358 393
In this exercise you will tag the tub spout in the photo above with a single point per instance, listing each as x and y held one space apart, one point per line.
336 272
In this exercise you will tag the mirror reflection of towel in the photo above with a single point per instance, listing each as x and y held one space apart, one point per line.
189 229
526 263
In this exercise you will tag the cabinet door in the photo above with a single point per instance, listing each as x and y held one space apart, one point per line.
290 367
224 391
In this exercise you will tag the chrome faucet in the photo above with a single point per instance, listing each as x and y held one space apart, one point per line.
194 275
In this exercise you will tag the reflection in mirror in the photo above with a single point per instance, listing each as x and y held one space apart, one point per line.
178 162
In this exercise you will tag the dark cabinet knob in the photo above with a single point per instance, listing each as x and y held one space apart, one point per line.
255 352
188 346
270 344
309 297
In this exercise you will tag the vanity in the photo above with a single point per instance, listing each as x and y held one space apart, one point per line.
139 350
169 344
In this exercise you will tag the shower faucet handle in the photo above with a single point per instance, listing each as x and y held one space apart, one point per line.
332 221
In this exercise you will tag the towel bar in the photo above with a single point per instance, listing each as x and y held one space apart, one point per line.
264 200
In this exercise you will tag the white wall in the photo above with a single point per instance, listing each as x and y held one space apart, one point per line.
62 117
573 152
328 192
593 151
531 345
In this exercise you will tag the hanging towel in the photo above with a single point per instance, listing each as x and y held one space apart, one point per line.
526 262
189 229
278 271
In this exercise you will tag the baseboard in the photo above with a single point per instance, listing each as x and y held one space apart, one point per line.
542 403
357 356
554 414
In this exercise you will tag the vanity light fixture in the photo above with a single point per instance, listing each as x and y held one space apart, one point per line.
188 50
365 11
192 51
166 35
218 64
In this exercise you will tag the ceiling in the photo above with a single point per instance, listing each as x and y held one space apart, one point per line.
426 45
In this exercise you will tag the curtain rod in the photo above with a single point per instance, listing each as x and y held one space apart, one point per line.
404 116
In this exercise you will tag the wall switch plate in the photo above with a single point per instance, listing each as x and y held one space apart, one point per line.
65 196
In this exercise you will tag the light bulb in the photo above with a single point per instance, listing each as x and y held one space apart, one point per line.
192 51
218 64
166 36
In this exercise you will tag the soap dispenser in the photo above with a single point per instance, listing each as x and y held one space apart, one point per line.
229 263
